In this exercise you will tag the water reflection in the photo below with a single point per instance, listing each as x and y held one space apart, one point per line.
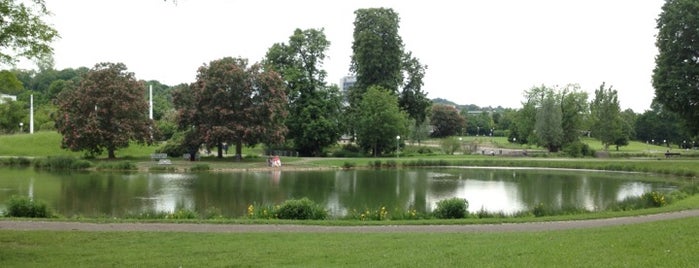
494 190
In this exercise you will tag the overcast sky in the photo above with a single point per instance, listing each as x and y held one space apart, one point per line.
478 52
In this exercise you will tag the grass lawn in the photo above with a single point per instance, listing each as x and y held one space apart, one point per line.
659 244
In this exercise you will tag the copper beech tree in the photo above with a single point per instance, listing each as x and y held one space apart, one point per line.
232 102
106 111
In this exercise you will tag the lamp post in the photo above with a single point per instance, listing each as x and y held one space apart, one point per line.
478 130
398 146
21 127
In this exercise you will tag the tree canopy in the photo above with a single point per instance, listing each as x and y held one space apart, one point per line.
607 124
380 121
106 111
23 33
233 102
676 74
314 108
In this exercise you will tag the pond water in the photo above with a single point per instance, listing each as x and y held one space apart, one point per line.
95 194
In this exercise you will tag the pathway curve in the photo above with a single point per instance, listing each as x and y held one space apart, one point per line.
252 228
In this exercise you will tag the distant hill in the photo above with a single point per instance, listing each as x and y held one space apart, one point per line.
467 107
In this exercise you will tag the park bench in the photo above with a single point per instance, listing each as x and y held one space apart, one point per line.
158 157
669 154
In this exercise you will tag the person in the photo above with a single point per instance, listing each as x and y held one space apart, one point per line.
276 162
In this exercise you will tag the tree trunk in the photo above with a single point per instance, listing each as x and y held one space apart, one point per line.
220 150
238 150
110 152
193 154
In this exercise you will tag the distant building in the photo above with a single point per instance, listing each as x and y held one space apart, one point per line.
345 84
4 97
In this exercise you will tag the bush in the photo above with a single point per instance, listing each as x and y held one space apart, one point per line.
452 208
450 145
300 209
654 199
22 206
121 165
200 167
56 162
348 165
183 214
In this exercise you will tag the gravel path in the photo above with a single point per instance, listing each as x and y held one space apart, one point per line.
245 228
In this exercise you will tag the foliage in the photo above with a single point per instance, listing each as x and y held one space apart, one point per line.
412 99
22 206
11 114
9 84
105 112
377 51
300 209
446 121
231 102
379 214
61 163
606 117
118 165
452 208
574 110
380 121
23 33
677 67
450 145
549 129
578 149
200 167
314 107
654 199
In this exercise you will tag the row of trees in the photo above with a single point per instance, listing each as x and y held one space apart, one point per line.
285 101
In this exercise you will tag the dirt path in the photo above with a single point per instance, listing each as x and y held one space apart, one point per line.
244 228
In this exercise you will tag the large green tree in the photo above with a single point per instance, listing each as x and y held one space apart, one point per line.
413 99
233 102
377 50
105 112
549 130
605 113
676 74
23 33
574 110
380 121
314 107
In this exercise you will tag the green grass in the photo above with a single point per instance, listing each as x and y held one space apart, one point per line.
659 244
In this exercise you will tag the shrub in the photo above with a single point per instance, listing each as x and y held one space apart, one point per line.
22 206
654 199
300 209
539 210
121 165
348 165
450 145
183 214
200 167
452 208
56 162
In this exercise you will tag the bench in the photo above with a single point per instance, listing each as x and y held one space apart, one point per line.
669 154
158 156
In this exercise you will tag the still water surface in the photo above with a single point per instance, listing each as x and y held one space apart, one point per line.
507 190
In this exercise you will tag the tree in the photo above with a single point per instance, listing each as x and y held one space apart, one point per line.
314 108
380 121
11 114
105 112
574 109
377 50
9 84
231 102
606 117
446 121
549 130
23 33
676 74
412 99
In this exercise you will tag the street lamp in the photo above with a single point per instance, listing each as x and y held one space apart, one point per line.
478 130
21 127
398 146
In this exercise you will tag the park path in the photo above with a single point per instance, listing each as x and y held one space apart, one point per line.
32 225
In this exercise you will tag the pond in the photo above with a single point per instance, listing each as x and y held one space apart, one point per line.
110 194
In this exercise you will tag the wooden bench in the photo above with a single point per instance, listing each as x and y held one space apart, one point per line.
669 154
158 156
